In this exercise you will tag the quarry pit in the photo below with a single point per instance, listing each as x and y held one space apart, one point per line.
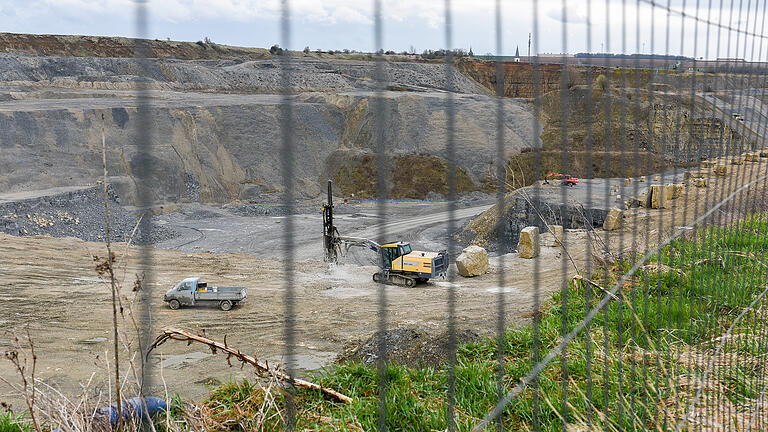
219 213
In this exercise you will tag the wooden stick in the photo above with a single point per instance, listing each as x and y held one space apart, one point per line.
185 336
594 284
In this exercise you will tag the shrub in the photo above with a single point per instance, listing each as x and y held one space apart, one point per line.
601 82
276 50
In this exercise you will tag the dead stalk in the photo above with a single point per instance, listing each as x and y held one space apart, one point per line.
110 269
261 368
21 362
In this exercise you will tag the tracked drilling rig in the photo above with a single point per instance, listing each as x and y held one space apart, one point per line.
398 264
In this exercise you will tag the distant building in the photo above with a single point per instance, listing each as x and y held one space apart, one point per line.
517 54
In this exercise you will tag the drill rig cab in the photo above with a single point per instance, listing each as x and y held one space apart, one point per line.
398 263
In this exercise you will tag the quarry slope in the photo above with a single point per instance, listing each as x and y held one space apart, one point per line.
220 142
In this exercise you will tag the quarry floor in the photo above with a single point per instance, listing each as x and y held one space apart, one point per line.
51 287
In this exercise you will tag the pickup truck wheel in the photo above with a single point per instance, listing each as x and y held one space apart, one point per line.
174 304
225 305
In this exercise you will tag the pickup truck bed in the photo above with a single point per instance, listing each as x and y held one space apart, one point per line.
192 292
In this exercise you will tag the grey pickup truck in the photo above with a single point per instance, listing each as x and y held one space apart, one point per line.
192 292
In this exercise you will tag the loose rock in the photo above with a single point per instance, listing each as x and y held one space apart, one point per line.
613 221
721 170
528 247
557 230
473 261
700 182
658 197
737 161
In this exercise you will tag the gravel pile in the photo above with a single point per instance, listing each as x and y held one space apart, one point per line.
409 346
271 210
74 213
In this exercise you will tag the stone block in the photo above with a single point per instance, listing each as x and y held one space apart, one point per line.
669 191
627 181
528 247
473 261
700 182
679 190
557 231
738 160
642 178
752 157
764 153
613 221
721 170
658 197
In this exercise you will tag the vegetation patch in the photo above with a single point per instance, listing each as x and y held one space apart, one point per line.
412 176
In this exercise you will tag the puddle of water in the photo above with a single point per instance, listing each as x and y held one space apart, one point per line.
93 341
181 360
505 290
346 292
88 279
306 362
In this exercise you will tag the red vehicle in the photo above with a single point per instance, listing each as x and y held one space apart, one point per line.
565 178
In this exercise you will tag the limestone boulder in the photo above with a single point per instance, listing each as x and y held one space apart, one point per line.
473 261
679 189
669 191
658 197
721 170
613 221
528 247
557 238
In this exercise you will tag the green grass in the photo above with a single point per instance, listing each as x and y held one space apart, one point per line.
640 349
13 423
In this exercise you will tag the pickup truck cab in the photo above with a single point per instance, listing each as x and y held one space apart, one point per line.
193 292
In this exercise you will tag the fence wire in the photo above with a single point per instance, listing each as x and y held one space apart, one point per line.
659 320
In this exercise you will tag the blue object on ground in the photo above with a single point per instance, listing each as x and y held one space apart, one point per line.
134 409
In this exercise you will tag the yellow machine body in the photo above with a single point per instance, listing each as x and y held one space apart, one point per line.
398 257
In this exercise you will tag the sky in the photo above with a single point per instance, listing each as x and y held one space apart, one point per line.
619 26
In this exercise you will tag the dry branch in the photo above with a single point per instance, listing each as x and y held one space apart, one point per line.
596 285
262 368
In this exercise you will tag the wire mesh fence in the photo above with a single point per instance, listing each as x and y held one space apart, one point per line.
658 322
635 222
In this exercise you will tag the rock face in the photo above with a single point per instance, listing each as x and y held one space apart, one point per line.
528 247
613 221
215 125
473 261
